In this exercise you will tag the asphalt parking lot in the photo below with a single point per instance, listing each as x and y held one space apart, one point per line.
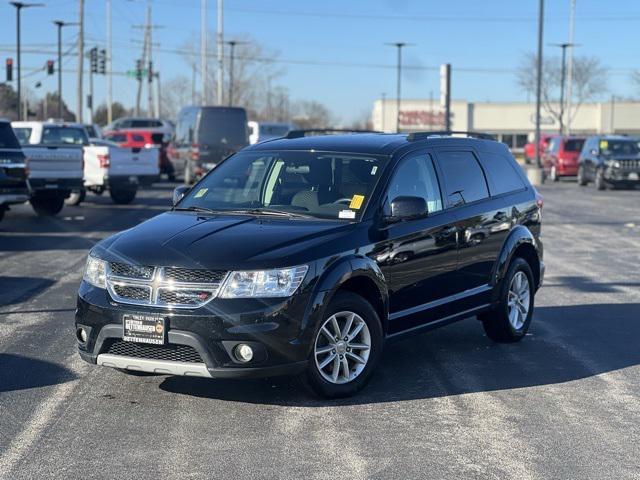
563 403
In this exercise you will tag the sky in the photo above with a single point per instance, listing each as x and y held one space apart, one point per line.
334 52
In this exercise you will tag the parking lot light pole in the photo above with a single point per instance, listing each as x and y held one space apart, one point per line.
399 46
232 46
19 6
563 69
60 24
539 81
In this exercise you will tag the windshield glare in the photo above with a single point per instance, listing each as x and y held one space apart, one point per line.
318 184
619 147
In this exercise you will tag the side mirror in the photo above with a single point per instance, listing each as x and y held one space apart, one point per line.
407 208
178 193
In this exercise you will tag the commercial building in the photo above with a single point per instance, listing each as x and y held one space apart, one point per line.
511 122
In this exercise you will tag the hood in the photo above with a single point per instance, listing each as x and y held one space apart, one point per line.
222 241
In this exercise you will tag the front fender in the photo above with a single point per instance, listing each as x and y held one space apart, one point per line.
334 274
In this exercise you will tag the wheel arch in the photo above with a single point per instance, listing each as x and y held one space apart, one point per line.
519 243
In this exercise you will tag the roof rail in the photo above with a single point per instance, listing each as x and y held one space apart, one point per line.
447 133
324 131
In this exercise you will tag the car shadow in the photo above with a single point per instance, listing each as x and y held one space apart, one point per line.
18 372
565 343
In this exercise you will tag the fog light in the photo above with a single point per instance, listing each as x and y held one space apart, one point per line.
243 353
81 333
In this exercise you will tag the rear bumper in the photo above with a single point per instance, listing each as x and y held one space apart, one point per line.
13 198
131 181
67 184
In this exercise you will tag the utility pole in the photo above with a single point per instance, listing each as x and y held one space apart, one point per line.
563 67
445 94
158 111
232 47
19 6
79 104
572 17
109 66
399 46
60 24
539 80
220 47
204 68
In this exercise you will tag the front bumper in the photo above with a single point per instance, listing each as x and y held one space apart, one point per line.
272 327
621 176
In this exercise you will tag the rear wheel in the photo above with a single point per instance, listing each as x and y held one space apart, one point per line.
599 181
582 181
346 347
76 197
47 205
122 196
510 320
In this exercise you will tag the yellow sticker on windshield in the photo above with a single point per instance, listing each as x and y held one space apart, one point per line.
356 202
201 192
604 144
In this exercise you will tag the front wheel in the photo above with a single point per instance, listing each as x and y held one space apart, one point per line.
122 197
346 347
582 181
510 320
599 181
47 205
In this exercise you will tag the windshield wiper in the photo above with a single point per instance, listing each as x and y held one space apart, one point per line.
269 211
195 208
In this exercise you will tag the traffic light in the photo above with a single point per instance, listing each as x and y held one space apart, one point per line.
138 69
50 67
93 59
9 66
102 62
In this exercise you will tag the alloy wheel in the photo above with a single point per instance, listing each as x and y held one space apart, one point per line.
519 299
342 347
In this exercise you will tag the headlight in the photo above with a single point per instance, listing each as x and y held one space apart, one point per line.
613 163
282 282
95 272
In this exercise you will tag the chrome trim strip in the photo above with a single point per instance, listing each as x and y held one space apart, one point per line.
441 301
162 367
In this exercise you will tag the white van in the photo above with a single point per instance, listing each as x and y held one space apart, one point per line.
261 131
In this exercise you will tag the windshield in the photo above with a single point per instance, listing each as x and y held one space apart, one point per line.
7 137
23 134
619 147
63 136
317 184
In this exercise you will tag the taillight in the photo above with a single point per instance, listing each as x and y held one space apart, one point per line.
103 161
195 152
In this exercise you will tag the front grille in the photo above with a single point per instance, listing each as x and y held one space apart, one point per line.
131 271
183 297
188 275
131 292
170 353
629 164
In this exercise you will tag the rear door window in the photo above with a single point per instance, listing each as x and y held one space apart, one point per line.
463 176
573 145
501 173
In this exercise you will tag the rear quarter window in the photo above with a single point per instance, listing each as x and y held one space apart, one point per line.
7 137
501 173
463 177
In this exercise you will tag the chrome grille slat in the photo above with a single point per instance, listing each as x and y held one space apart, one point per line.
165 287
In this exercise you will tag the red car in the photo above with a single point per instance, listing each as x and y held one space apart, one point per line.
561 157
145 139
530 148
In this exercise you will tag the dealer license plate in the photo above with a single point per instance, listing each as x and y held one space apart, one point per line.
143 328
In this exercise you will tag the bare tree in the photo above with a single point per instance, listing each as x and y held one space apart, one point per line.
310 114
363 122
589 82
176 93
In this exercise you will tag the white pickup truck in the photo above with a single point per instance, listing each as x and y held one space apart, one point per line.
120 170
58 152
54 155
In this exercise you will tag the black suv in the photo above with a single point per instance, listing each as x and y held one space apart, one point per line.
610 160
305 255
13 177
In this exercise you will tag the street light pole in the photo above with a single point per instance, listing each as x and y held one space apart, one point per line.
563 68
60 24
539 81
19 6
399 46
232 44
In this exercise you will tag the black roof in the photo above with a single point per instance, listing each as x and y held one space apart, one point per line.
366 143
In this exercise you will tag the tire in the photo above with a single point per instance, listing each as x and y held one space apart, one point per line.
366 320
508 324
47 206
76 197
582 181
599 181
122 197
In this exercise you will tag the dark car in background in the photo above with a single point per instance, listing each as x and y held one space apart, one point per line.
13 175
146 139
560 158
205 136
610 161
305 255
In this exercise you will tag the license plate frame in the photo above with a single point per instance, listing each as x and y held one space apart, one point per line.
634 176
144 328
